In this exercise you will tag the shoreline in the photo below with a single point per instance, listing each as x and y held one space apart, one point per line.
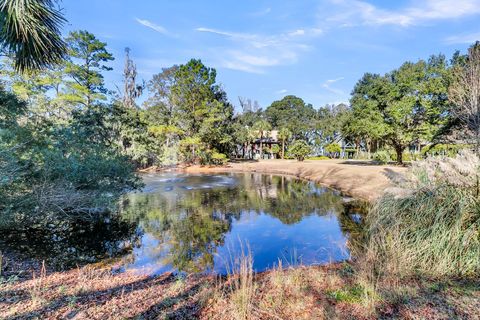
357 179
332 290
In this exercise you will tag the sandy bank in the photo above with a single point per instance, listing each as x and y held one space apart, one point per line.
354 178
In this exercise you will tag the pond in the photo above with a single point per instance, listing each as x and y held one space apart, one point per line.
203 223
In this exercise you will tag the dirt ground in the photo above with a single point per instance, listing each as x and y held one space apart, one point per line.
359 179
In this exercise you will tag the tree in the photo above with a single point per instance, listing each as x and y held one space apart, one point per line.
188 107
160 111
405 106
464 93
329 125
284 134
87 60
30 30
291 112
366 121
274 150
333 149
262 127
131 90
300 149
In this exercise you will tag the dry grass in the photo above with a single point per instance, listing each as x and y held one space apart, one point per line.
316 292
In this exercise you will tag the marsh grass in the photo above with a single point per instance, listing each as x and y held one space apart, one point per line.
239 287
427 226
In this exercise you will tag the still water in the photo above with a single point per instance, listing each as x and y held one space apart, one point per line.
203 223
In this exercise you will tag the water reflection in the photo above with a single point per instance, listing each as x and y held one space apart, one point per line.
195 223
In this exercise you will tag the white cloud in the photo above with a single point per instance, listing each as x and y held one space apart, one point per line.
463 38
154 26
253 52
261 12
281 91
327 86
355 12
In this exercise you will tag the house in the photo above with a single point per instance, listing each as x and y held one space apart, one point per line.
270 138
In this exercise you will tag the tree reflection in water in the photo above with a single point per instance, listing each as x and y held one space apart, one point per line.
186 218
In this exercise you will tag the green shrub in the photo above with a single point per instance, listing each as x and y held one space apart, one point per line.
430 222
299 150
382 157
275 149
333 149
443 149
319 158
219 158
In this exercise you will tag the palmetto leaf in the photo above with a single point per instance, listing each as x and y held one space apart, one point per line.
30 30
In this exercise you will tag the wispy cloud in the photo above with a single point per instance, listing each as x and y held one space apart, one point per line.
154 26
463 38
327 85
253 52
283 91
355 12
261 12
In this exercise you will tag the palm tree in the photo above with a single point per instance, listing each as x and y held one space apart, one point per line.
284 134
30 30
262 127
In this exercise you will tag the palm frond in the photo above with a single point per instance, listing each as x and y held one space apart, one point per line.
30 30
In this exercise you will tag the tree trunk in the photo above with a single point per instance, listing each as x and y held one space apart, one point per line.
399 151
283 149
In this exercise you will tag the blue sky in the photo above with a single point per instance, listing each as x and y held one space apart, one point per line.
264 50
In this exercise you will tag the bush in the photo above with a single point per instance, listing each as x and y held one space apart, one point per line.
430 222
443 149
275 149
299 150
219 158
333 149
382 157
319 158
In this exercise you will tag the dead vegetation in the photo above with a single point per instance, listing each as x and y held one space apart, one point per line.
316 292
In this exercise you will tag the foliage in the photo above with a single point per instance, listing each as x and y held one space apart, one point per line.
275 149
333 149
382 156
188 107
284 134
440 149
291 112
330 123
31 32
219 158
299 150
87 58
402 107
464 94
428 223
318 158
56 172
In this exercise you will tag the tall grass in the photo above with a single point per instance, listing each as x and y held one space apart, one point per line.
429 224
240 286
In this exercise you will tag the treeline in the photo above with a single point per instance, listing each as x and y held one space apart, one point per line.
69 145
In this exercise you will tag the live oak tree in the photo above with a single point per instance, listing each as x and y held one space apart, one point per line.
402 107
293 113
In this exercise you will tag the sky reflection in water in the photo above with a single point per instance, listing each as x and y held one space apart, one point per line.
201 223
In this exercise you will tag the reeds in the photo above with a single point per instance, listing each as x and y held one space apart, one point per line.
430 223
